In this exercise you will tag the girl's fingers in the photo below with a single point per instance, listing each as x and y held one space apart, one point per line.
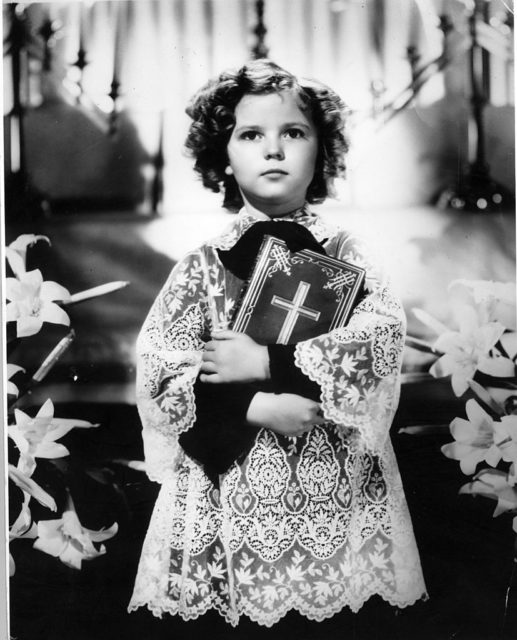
208 367
223 334
212 378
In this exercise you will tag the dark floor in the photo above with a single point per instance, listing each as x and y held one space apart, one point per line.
466 555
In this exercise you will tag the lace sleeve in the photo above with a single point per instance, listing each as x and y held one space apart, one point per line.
358 366
168 359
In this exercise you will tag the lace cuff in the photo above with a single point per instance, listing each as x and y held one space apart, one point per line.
358 368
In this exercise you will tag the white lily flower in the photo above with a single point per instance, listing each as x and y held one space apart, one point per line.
16 252
496 300
66 538
12 369
35 437
32 302
467 350
475 440
493 484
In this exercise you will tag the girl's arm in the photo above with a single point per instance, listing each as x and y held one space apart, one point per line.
232 357
169 349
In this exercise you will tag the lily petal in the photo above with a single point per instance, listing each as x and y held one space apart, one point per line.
467 319
50 537
469 463
456 450
11 388
71 524
103 534
507 501
71 557
462 430
51 290
493 456
33 279
12 369
498 367
27 326
26 240
476 413
16 261
31 488
49 449
46 410
22 419
19 439
510 425
14 289
444 366
23 521
460 382
490 334
448 341
61 426
51 312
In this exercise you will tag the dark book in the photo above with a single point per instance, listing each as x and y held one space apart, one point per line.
292 297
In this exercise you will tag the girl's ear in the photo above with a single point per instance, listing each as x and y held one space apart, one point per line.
228 171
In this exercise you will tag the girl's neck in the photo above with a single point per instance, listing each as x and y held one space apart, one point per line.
272 212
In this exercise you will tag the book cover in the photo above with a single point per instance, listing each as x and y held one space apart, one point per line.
295 296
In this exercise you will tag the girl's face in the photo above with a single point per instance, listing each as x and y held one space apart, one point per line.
272 152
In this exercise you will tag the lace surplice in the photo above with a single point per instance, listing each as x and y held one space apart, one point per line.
313 523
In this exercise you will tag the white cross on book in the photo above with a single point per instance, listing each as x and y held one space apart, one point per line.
294 309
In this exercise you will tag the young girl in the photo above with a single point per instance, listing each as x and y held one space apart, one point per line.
280 489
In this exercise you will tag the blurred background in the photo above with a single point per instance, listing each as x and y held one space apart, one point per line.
94 123
94 115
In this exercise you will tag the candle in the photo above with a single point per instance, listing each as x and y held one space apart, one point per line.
53 356
94 292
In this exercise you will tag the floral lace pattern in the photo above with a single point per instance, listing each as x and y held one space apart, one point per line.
312 523
357 367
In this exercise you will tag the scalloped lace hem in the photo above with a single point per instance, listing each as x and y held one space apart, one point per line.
271 618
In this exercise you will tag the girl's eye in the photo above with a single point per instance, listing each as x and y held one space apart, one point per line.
295 133
249 135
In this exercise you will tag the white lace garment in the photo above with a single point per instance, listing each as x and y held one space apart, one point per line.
313 523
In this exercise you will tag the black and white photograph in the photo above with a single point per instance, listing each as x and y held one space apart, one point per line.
259 337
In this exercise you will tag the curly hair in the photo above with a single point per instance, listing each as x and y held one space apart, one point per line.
212 111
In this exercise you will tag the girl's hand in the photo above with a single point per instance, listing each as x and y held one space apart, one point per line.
234 357
285 413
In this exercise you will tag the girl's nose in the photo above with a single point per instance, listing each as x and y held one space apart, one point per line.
274 149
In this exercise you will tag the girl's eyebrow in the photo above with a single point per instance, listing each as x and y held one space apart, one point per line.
248 127
285 125
302 125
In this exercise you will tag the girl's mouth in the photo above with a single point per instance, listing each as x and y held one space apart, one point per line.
274 172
